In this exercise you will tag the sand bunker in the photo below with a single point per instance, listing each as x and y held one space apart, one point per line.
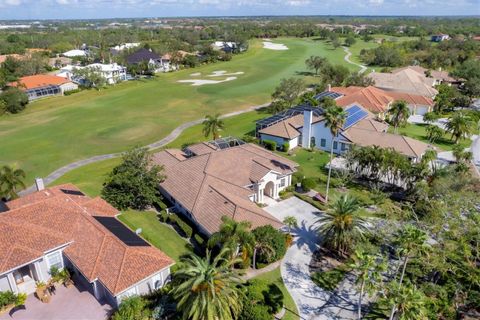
201 82
274 46
221 73
196 74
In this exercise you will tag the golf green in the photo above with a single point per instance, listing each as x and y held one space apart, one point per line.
56 131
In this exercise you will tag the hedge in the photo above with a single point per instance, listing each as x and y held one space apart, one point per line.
308 184
270 145
286 146
185 227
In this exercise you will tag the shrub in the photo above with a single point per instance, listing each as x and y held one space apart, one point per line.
286 146
261 301
184 226
70 92
274 238
132 308
308 184
297 177
329 280
252 311
270 145
15 100
7 298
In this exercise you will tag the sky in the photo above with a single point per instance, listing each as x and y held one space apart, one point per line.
94 9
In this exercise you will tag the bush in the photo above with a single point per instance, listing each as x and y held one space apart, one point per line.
184 226
70 92
297 177
14 100
329 280
308 184
252 311
7 298
270 145
286 146
261 301
132 308
273 237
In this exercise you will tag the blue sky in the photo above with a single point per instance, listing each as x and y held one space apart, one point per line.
73 9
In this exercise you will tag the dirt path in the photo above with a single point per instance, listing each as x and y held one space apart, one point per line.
347 59
155 145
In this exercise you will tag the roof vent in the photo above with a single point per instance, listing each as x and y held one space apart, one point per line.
39 184
138 231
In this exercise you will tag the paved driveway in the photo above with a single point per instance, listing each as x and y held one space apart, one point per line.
312 301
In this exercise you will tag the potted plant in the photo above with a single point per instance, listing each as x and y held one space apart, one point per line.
66 278
41 290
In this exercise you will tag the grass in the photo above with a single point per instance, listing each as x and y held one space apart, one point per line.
330 279
275 277
158 234
56 131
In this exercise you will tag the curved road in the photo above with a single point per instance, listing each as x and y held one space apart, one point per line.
347 59
155 145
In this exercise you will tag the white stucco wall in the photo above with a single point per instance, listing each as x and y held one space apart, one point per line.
278 140
320 131
68 86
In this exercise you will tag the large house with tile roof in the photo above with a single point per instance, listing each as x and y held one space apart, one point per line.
207 181
44 85
63 228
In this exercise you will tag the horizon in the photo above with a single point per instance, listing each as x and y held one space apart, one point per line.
137 9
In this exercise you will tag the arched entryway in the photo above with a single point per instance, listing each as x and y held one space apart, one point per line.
269 189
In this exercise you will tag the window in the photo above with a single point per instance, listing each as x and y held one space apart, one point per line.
343 146
323 143
55 260
335 145
282 183
312 142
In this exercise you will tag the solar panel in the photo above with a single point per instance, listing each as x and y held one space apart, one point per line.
354 115
72 192
123 233
327 94
287 114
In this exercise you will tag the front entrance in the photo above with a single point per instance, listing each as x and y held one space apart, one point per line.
269 190
25 279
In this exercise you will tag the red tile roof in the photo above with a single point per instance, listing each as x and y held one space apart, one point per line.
61 215
39 80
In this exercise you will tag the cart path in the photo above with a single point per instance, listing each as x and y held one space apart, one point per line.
347 59
155 145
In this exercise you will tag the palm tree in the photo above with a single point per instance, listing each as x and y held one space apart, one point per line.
290 222
234 235
430 117
207 289
10 181
309 99
460 126
213 125
341 225
369 274
434 133
263 249
399 113
410 302
335 118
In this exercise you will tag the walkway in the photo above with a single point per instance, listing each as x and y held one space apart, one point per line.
312 301
347 59
155 145
252 273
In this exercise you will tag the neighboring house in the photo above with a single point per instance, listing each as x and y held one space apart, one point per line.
63 228
59 62
113 73
439 76
361 128
227 46
125 46
75 53
44 85
210 180
439 37
405 80
154 61
378 101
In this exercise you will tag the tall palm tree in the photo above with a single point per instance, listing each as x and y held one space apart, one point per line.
335 118
410 302
207 288
234 235
434 133
461 155
290 222
369 274
213 125
399 113
460 126
10 181
342 225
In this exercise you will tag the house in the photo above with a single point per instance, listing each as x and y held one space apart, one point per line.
155 62
440 37
126 46
59 62
379 101
44 85
227 46
75 53
307 128
405 80
439 76
207 181
62 227
113 73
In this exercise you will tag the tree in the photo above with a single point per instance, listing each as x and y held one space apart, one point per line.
359 80
290 222
350 41
10 181
341 226
336 43
409 302
335 118
234 235
434 133
269 236
213 125
134 183
132 308
262 249
369 274
315 63
14 100
460 126
399 114
444 98
289 90
207 288
461 155
91 76
308 98
430 117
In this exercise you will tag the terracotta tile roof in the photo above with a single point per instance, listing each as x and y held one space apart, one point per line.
412 99
406 80
52 217
436 74
39 80
215 184
202 148
288 128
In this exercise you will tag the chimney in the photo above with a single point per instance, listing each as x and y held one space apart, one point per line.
39 184
329 87
307 128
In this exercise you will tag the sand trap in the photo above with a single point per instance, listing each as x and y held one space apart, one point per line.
196 74
224 73
274 46
201 82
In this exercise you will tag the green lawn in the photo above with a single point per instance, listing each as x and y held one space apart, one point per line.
160 235
276 278
55 131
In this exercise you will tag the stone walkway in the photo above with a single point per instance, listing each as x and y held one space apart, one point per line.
347 59
155 145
